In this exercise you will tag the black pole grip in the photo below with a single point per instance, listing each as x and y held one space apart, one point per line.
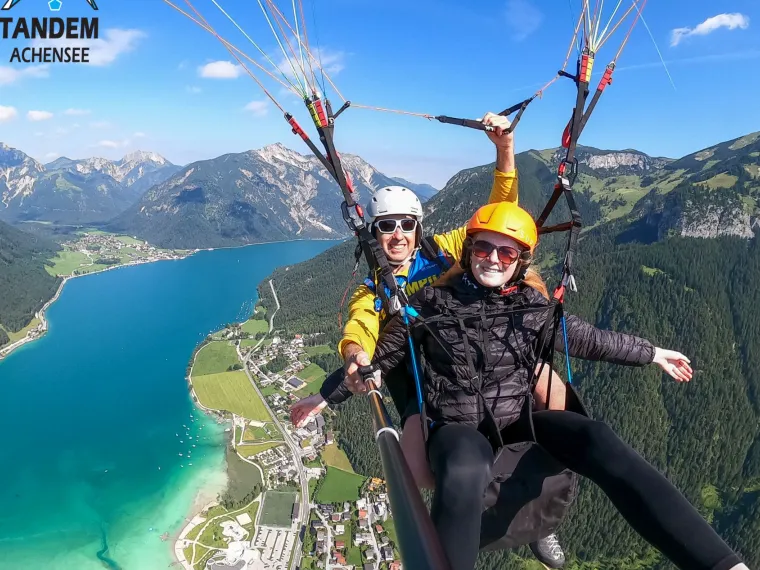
469 123
367 373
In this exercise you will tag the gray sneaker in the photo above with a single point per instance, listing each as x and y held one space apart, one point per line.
548 551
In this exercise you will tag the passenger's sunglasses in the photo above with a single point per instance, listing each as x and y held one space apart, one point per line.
388 226
507 255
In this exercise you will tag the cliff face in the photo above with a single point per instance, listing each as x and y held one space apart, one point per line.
691 211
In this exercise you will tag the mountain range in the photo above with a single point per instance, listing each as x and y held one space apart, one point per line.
67 191
269 194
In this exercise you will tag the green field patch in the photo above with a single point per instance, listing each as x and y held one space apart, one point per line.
722 180
254 326
354 556
66 262
231 392
128 240
16 336
242 476
319 349
334 456
705 154
249 450
201 555
339 486
309 389
248 342
746 140
312 373
213 358
272 389
252 511
278 508
709 164
753 170
212 535
266 433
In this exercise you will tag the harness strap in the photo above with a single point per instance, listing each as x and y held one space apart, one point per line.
498 442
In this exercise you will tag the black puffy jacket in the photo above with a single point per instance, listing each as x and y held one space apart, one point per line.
502 332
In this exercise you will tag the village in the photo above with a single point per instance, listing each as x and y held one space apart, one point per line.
363 526
122 248
346 523
342 535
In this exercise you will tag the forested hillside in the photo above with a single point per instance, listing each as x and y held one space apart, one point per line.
25 285
636 273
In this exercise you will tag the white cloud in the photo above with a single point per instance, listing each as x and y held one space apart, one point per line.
39 115
52 155
258 108
333 62
139 135
7 113
523 18
60 131
100 124
104 50
10 75
220 70
76 112
193 89
114 144
729 21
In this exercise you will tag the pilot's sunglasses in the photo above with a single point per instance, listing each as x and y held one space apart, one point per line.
507 255
388 226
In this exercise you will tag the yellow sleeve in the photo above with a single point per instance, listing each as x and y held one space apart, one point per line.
504 189
363 325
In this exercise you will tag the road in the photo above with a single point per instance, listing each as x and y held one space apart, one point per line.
294 447
271 318
276 300
372 521
328 543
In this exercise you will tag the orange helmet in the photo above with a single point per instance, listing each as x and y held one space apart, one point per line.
505 218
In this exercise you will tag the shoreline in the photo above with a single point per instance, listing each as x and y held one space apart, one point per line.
5 351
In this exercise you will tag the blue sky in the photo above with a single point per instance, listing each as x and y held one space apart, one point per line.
152 87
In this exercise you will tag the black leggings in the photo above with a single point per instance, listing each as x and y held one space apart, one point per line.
461 459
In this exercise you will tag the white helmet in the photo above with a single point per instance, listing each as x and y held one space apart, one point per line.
394 200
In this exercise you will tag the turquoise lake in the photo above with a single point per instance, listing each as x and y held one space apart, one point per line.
94 412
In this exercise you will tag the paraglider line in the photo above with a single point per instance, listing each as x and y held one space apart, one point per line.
287 41
229 45
271 27
664 65
253 42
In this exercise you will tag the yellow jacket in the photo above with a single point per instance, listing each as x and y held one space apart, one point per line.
363 325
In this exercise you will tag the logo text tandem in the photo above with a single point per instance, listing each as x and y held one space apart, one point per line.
49 28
